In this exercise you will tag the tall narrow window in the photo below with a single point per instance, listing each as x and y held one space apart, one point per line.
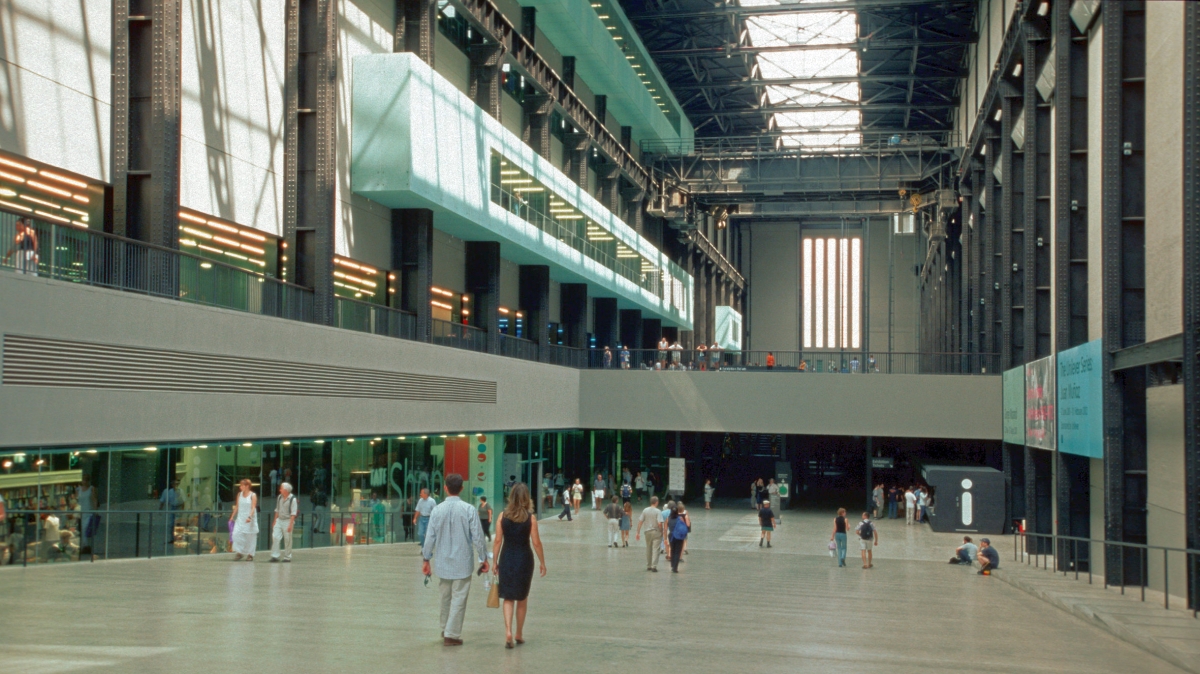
806 285
831 292
818 306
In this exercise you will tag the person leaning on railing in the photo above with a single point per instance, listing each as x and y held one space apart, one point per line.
25 247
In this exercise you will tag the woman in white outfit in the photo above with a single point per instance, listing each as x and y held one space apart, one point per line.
245 527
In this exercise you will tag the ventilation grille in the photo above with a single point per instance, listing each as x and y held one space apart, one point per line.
37 361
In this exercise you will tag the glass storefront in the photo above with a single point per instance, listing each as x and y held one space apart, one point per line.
111 502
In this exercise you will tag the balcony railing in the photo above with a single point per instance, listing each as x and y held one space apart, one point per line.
828 362
77 255
515 347
375 319
459 336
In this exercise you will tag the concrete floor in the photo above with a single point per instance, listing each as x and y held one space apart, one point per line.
734 607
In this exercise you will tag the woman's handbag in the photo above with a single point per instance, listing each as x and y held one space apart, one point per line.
493 600
832 548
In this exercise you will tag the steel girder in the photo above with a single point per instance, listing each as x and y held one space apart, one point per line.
723 11
1036 216
1007 204
146 122
487 18
710 179
1191 288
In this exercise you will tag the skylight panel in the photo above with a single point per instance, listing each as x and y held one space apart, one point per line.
800 30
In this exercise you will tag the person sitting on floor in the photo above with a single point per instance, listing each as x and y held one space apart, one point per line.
989 559
965 553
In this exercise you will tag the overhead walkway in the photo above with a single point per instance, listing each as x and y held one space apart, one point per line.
85 365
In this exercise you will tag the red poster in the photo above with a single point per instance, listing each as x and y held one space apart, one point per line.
458 457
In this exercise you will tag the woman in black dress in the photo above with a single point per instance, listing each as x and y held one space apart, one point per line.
515 530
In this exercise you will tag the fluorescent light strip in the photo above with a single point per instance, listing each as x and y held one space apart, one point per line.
64 179
9 176
17 165
35 200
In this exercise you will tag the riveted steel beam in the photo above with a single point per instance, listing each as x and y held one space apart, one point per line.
1191 289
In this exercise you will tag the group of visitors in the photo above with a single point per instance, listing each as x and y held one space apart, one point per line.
243 523
666 532
916 500
866 531
768 494
623 357
968 553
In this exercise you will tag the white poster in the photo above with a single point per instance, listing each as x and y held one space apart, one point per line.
677 478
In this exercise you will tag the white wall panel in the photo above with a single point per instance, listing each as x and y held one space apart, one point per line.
774 319
363 231
231 150
55 74
449 261
1164 169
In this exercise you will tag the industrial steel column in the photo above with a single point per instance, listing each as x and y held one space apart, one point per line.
1012 222
147 99
1191 288
1070 181
484 78
483 279
412 258
535 301
605 323
416 23
992 257
576 148
634 213
1123 249
1036 216
536 129
631 332
572 309
310 148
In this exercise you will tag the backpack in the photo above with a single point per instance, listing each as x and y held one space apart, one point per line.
626 492
679 530
867 532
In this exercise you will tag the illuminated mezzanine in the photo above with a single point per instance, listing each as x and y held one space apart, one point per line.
419 142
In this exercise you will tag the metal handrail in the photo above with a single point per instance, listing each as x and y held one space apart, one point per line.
353 518
1041 558
379 319
813 361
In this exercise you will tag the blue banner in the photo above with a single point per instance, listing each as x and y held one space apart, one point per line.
1081 401
1014 405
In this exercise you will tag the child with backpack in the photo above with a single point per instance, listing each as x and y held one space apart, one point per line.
868 538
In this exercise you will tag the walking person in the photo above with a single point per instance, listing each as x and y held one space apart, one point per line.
598 491
639 485
566 499
708 494
245 522
754 495
839 536
893 498
612 513
877 500
910 506
626 523
576 494
923 504
678 527
423 510
454 542
607 358
485 517
663 516
868 539
286 510
515 532
766 521
773 497
89 521
650 520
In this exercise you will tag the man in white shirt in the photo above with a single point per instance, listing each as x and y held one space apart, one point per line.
910 505
650 520
423 509
456 546
286 510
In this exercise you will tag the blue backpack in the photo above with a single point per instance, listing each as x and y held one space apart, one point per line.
679 530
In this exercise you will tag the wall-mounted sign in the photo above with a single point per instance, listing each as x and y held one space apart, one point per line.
882 462
1014 405
1041 404
676 475
1080 401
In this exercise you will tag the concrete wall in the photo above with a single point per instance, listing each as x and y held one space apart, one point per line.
773 265
1165 498
55 75
449 261
917 406
774 276
529 395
